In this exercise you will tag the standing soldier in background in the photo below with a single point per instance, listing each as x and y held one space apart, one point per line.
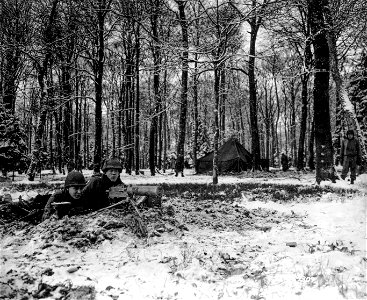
284 162
350 154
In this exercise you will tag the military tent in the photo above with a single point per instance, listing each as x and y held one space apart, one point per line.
232 157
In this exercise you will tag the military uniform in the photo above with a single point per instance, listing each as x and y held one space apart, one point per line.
73 179
96 191
350 155
60 197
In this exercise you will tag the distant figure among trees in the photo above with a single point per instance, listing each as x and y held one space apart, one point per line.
350 154
285 162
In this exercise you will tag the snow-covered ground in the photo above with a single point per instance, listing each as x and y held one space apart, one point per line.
255 246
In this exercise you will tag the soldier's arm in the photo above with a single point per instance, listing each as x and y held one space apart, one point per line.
91 193
49 210
359 153
89 188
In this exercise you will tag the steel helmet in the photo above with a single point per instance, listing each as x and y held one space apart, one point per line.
112 163
74 178
350 131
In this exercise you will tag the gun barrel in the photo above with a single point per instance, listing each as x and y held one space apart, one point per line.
144 190
60 204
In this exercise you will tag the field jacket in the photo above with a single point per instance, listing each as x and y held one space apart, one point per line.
95 193
350 147
61 196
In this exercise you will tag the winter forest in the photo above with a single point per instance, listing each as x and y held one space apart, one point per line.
152 80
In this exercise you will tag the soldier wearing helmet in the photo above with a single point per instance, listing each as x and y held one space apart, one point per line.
96 191
350 154
62 202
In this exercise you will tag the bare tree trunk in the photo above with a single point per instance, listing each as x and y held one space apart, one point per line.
50 143
59 140
165 145
98 66
42 71
129 108
344 106
275 124
311 144
154 124
165 134
68 148
196 116
120 122
293 125
51 94
302 133
324 151
85 135
137 100
223 99
156 51
113 126
184 81
285 124
267 122
307 57
159 132
216 123
195 98
255 139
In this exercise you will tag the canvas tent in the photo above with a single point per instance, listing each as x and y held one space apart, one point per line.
232 157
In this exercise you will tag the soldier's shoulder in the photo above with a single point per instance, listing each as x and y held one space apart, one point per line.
94 178
94 181
58 196
57 193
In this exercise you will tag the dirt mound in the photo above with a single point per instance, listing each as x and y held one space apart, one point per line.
229 215
30 209
176 215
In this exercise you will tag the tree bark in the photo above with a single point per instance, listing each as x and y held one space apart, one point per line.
293 124
307 62
179 168
98 78
216 123
67 114
41 77
255 139
223 98
195 98
129 107
344 105
311 144
324 151
156 51
302 133
137 100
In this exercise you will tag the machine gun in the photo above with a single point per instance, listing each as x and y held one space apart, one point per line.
135 195
147 194
122 194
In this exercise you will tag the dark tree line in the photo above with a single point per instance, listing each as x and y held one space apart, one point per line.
150 79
